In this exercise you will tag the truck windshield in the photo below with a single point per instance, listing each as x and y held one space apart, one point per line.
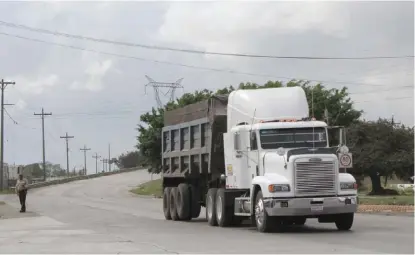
292 138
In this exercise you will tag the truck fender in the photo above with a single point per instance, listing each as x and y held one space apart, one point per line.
262 182
346 177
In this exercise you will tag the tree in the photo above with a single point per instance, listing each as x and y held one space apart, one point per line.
381 149
336 101
34 170
130 159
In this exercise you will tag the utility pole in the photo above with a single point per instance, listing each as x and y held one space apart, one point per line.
3 84
103 164
67 150
85 149
109 157
43 114
96 157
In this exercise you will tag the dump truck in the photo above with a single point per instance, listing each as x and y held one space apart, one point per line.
254 155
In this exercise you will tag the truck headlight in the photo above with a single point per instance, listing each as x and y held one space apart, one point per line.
278 188
348 185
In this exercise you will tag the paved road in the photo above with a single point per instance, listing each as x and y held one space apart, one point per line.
101 216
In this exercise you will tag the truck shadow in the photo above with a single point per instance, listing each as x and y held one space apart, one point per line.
306 229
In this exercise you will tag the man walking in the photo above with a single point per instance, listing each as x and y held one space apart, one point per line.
21 191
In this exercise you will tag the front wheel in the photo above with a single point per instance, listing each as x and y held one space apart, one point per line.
344 221
264 222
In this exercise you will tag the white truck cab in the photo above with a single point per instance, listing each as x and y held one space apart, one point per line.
283 157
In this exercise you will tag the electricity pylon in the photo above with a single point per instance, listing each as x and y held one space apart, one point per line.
172 86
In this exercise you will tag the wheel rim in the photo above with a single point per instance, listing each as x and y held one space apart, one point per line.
209 207
219 208
259 212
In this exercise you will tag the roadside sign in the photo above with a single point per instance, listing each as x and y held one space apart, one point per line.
345 160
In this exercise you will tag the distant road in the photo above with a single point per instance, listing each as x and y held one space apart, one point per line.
101 216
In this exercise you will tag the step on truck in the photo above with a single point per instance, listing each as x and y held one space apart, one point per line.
257 155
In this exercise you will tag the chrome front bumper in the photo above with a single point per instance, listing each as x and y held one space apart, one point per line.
310 206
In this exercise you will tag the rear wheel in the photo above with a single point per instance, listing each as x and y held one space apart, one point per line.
344 221
224 212
173 210
166 203
210 207
183 202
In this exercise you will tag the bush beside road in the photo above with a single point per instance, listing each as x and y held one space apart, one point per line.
401 203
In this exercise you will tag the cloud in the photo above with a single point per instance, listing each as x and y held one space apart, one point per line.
221 26
36 85
21 104
95 73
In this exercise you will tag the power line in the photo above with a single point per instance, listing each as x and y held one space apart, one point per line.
185 65
152 47
383 90
386 99
10 117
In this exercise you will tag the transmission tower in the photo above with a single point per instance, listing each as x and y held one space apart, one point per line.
158 85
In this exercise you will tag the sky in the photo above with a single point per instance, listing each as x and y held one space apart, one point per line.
98 98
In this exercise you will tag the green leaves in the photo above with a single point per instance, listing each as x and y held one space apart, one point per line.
381 148
336 101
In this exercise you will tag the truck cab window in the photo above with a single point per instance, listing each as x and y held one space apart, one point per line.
293 138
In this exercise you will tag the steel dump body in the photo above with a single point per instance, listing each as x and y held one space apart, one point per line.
192 139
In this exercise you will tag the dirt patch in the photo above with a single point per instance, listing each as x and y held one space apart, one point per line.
386 208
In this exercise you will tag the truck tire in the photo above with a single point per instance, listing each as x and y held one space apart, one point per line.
300 221
210 207
173 210
263 222
166 203
344 221
224 212
183 202
194 198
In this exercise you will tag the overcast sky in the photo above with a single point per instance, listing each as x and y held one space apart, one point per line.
98 98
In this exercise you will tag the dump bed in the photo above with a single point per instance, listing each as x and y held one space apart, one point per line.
192 139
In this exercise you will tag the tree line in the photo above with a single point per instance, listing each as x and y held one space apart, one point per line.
380 148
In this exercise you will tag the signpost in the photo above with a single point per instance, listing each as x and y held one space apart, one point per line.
345 160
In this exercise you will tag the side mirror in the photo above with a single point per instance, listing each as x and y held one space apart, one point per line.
280 151
343 149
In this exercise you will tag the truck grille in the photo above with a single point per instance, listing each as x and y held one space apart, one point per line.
315 178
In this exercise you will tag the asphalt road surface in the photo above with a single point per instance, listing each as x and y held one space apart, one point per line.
101 216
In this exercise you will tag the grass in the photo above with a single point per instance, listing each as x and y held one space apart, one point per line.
151 188
386 200
7 191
